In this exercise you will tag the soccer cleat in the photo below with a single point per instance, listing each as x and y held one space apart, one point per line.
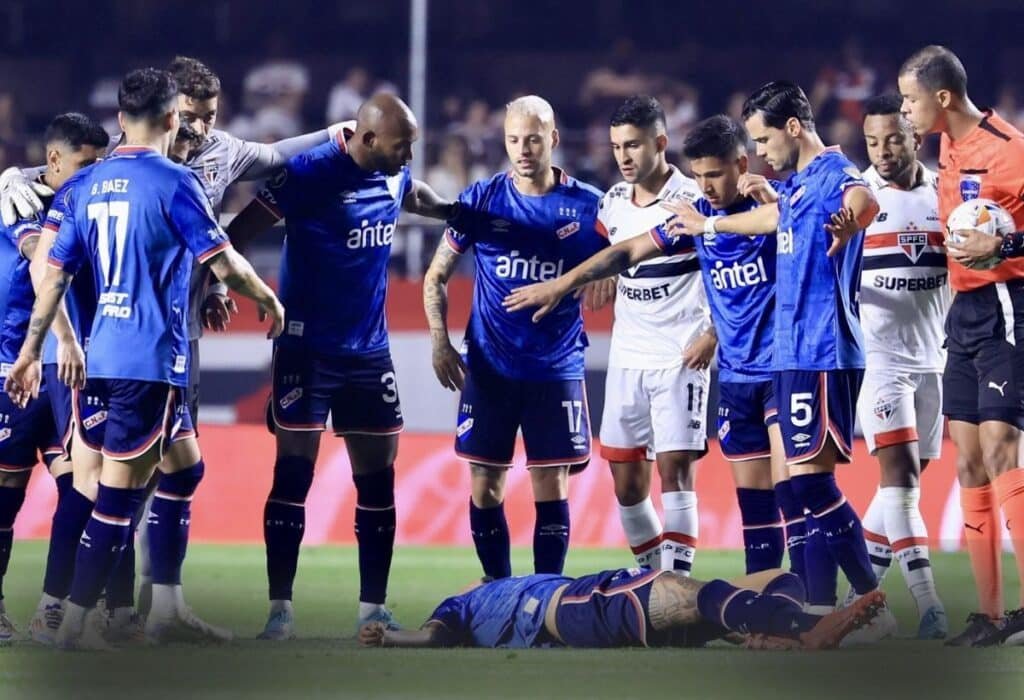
182 625
381 614
833 629
881 626
280 626
43 626
1012 629
981 631
934 624
86 635
125 631
8 632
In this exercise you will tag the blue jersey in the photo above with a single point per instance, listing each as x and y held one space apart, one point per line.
507 612
517 240
80 299
16 292
739 277
817 322
140 221
340 221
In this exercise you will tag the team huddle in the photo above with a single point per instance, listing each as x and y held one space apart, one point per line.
823 298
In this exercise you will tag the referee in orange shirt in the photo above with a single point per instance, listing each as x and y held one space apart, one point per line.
983 385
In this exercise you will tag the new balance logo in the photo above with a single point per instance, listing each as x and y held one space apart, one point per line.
999 387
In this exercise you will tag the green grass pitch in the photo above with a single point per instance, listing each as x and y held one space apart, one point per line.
226 584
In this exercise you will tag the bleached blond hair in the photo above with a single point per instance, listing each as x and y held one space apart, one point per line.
532 106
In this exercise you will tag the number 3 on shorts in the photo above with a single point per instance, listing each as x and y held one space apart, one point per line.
800 412
390 394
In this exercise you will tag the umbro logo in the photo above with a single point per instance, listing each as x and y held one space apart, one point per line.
501 225
801 440
999 387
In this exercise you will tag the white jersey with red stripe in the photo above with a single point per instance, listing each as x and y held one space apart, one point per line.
905 284
660 306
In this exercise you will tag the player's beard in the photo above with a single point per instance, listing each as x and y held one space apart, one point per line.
190 136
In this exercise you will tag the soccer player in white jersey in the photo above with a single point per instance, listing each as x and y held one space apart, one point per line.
903 301
656 392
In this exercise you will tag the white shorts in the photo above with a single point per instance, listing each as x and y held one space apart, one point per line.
898 407
653 410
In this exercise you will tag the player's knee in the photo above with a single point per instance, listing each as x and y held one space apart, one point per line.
632 491
999 454
676 470
293 477
296 443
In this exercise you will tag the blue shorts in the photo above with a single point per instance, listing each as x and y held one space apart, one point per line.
27 435
59 395
125 418
745 410
553 415
813 405
359 392
608 609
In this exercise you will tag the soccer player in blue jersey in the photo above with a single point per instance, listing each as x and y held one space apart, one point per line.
525 225
73 141
340 202
818 352
629 608
739 277
139 219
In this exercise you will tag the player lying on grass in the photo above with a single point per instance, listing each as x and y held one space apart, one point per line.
630 607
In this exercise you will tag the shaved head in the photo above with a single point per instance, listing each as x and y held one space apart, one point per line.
385 131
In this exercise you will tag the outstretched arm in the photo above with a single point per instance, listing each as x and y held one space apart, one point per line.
608 262
423 200
755 222
448 365
376 634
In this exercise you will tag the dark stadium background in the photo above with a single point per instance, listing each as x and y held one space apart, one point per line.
290 67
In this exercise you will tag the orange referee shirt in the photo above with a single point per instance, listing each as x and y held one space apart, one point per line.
989 163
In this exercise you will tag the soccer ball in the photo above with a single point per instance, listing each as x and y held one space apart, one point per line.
980 215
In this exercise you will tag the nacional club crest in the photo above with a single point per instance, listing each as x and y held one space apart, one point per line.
913 244
970 187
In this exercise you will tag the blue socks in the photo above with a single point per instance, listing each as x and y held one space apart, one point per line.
375 532
170 515
105 538
821 570
796 527
491 539
550 536
11 500
839 525
747 612
284 521
69 520
763 540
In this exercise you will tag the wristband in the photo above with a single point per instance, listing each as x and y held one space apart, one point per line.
709 225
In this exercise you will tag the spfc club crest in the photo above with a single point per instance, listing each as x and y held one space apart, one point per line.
211 169
884 410
970 187
913 244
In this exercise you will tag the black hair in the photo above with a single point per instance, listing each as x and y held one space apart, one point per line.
194 78
642 111
715 137
76 130
889 103
937 68
147 93
778 102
